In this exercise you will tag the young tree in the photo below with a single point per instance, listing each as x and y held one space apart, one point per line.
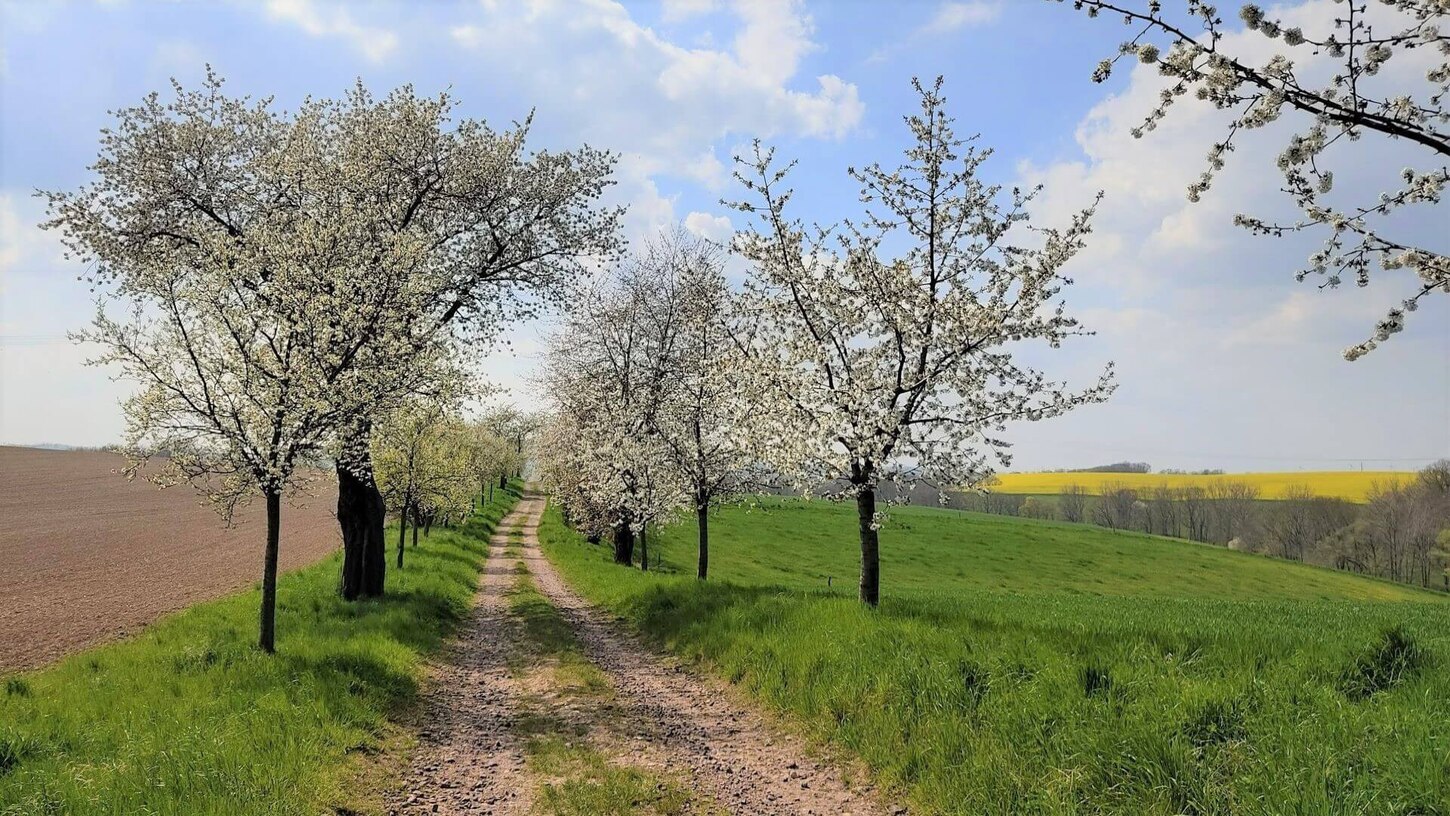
1355 100
1440 557
220 398
491 457
1231 506
604 372
703 418
1037 508
901 368
515 428
1298 521
422 463
561 469
1195 503
1072 503
1165 511
229 299
1435 477
1117 507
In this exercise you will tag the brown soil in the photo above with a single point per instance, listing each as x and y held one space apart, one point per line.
86 557
653 715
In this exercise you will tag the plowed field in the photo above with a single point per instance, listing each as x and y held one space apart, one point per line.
86 557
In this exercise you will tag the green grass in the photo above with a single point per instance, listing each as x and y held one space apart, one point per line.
948 550
190 718
586 783
1020 667
548 637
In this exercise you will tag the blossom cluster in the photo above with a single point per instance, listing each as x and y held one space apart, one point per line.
873 366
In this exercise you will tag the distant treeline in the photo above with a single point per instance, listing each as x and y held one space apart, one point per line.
1402 532
56 446
1115 467
1137 467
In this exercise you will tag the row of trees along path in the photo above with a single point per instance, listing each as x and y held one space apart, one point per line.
280 282
836 368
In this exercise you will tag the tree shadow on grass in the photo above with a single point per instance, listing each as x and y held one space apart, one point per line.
664 611
358 673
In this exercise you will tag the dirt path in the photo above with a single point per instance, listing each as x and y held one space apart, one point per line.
618 713
469 759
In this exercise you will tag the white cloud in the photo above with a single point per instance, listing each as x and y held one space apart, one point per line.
1304 317
715 228
24 247
708 170
667 107
678 99
468 36
954 16
178 58
9 234
47 393
334 21
774 37
677 10
649 210
949 18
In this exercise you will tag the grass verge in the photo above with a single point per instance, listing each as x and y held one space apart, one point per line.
189 718
1047 698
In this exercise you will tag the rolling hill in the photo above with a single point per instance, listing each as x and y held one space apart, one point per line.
1017 666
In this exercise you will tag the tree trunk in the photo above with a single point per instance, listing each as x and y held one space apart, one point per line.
490 492
402 532
415 525
702 519
503 481
624 543
427 528
870 552
360 514
268 636
643 548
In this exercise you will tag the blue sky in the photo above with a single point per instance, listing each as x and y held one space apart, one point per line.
1224 361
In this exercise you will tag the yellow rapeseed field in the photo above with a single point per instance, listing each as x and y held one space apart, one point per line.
1353 485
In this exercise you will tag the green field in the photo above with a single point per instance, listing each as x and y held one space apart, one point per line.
1021 667
189 718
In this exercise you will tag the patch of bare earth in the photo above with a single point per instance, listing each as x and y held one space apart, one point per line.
563 730
89 557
